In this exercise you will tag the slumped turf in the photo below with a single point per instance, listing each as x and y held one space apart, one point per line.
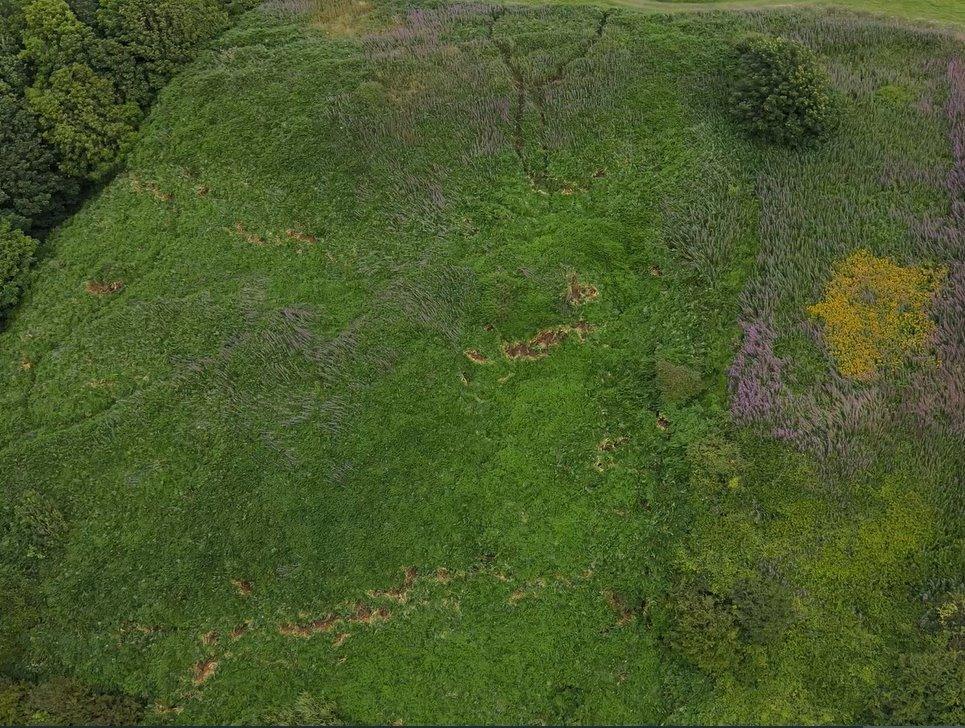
452 363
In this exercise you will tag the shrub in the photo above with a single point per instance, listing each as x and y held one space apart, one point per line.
31 185
704 629
11 21
715 463
16 255
779 93
63 701
926 686
86 10
82 116
32 529
53 37
160 35
677 382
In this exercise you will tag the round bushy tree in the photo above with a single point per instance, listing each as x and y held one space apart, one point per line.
53 37
16 255
779 92
31 185
160 35
82 116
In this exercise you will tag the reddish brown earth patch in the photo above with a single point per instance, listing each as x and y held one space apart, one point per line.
293 629
521 350
243 586
475 356
167 709
240 630
517 596
151 187
662 422
203 670
399 594
210 638
577 293
98 288
544 340
548 338
625 613
364 614
581 328
608 445
249 236
301 237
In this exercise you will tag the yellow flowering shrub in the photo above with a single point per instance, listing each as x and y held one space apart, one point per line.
875 312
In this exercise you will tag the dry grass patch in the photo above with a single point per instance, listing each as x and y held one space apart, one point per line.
103 288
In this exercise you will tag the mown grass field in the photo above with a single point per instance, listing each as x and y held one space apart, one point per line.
940 11
452 363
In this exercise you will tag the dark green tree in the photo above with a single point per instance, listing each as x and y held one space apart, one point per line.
54 37
32 188
160 35
16 254
779 92
83 117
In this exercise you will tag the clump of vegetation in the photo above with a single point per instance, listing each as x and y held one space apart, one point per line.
31 528
926 687
677 382
159 37
704 629
307 710
83 117
875 313
779 92
63 701
75 79
16 255
31 183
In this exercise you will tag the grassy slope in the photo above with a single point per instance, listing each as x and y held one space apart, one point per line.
301 414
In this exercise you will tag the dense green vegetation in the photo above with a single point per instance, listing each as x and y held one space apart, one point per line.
74 82
453 363
779 92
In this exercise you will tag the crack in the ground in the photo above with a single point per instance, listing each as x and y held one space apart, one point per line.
538 174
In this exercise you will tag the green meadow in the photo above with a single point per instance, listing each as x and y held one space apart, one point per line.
451 363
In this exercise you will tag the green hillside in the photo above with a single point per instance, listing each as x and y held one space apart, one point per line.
448 363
